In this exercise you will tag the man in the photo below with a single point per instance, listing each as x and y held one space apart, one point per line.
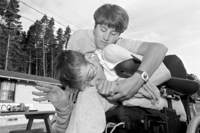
110 22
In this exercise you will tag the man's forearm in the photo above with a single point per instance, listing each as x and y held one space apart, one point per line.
153 57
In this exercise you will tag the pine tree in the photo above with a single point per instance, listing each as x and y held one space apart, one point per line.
60 39
50 44
34 48
44 22
12 30
67 36
23 53
3 37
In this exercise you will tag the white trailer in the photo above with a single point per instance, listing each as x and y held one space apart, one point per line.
16 88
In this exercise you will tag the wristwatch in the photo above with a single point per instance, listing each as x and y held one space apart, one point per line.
144 75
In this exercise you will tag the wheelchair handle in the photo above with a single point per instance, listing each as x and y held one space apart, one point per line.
184 86
193 124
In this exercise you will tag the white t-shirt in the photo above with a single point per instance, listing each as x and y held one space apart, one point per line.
83 41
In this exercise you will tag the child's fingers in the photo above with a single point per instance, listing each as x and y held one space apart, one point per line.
75 95
46 85
40 99
99 84
41 88
106 87
39 93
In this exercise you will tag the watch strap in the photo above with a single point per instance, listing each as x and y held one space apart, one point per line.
144 75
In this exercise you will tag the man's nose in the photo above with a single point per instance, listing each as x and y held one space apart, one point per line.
106 36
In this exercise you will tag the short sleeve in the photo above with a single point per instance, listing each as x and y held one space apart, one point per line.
73 41
81 41
131 45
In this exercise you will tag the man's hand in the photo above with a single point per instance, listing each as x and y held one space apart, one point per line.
120 90
58 97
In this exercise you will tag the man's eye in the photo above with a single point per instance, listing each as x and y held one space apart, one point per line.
103 29
114 33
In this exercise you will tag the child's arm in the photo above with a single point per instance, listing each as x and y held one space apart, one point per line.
62 100
99 69
62 119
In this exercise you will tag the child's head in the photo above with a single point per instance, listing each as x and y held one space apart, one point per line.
73 69
113 16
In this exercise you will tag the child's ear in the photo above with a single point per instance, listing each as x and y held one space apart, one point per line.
91 74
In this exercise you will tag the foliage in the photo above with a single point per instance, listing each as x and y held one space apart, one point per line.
33 51
11 36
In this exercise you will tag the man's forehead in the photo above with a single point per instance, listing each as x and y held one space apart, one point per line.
107 26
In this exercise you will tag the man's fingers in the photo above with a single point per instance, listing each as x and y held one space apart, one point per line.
40 99
105 95
147 87
37 93
115 97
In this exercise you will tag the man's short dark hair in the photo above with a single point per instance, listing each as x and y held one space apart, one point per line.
113 16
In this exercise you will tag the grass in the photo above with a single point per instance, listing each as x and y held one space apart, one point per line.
7 129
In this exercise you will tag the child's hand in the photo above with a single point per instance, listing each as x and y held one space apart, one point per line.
58 97
106 88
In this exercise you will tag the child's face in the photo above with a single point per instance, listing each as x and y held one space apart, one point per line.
89 70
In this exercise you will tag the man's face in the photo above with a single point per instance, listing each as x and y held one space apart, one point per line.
103 35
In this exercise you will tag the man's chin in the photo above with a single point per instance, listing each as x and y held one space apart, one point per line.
101 46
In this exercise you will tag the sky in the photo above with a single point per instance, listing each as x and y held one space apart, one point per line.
175 23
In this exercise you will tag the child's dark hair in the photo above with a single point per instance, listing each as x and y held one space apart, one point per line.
67 68
113 16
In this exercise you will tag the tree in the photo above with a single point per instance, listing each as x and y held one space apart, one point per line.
33 47
50 45
12 30
60 39
67 36
19 55
44 22
23 53
3 37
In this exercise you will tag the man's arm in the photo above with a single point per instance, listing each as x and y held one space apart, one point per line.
153 54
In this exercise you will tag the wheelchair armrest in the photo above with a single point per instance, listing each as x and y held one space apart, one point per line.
184 86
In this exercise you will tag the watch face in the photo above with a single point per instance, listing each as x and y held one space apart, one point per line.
145 76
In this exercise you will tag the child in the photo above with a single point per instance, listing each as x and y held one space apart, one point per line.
79 71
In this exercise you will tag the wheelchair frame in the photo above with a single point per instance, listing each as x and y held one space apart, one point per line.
192 125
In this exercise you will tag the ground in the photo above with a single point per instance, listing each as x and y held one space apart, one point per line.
7 129
40 125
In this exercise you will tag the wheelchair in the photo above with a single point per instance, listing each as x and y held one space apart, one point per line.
123 119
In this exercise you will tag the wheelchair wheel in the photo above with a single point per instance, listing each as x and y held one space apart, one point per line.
194 125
